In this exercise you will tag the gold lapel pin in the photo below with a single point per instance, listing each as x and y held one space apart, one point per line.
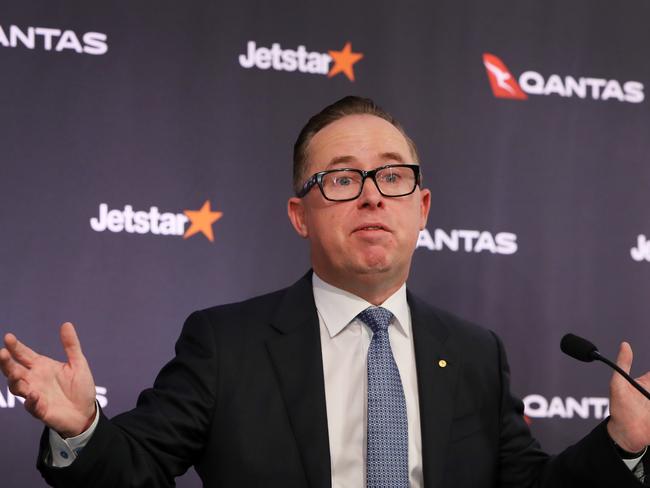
442 363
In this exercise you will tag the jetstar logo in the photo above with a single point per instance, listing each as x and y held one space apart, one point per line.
152 221
641 251
300 59
48 39
504 85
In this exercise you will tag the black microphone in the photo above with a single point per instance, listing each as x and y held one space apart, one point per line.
578 348
583 350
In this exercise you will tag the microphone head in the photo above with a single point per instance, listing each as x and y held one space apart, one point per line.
578 348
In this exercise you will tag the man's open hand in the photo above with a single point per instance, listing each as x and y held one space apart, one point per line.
62 395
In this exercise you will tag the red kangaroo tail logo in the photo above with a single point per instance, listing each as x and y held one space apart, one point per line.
502 82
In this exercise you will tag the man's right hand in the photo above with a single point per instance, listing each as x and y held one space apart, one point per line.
62 395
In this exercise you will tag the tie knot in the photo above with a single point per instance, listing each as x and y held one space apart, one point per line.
377 318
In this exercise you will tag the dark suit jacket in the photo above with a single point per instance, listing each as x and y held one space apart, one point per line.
243 401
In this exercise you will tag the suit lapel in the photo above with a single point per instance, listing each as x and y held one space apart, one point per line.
437 370
297 360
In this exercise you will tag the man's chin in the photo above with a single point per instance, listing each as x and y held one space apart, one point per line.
376 265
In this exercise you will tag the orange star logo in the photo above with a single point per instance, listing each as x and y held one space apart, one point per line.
201 221
343 61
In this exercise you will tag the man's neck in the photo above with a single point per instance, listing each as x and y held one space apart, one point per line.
368 287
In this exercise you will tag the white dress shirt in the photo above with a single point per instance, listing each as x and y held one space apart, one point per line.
344 344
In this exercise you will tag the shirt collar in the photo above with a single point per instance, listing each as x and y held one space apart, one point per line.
338 308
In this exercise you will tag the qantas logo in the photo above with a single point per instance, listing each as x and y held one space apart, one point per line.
465 240
538 406
504 85
51 39
301 60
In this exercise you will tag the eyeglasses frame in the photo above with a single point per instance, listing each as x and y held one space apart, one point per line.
317 179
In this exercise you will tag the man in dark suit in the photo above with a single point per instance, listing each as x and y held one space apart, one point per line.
342 379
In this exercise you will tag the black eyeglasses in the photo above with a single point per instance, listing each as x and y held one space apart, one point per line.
340 185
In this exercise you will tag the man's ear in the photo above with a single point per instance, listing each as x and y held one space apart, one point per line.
425 205
296 212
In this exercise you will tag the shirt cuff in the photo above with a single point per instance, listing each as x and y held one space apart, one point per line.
65 451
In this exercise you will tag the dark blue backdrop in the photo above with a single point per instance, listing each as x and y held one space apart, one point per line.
539 211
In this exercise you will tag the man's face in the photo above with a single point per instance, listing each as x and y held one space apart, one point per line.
370 238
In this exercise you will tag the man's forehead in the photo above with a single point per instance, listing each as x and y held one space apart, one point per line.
354 138
382 157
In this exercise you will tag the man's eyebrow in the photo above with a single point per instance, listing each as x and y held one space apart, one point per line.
383 157
341 160
391 156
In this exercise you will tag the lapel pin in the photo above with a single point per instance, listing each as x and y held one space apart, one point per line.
442 363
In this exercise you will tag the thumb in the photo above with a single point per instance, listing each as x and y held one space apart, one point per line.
624 361
624 358
71 344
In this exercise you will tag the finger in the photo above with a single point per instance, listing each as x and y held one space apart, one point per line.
19 388
5 361
35 406
19 351
10 368
71 344
624 358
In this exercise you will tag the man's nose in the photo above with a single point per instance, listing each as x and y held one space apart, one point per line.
370 194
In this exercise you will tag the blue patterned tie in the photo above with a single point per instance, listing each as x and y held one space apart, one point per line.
387 459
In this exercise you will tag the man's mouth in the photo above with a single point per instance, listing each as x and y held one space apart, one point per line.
371 227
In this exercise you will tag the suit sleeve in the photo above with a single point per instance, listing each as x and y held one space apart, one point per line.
592 462
163 436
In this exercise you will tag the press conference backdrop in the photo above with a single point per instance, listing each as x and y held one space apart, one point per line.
146 163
